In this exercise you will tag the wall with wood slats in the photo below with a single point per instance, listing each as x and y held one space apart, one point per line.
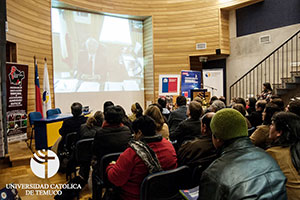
148 60
29 26
177 25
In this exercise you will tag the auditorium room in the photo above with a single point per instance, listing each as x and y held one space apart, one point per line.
149 100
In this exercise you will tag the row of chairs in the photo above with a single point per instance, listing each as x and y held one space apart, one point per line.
163 185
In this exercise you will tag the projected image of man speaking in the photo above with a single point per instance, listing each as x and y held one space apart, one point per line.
91 63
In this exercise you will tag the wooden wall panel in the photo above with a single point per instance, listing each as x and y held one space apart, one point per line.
177 25
148 60
29 26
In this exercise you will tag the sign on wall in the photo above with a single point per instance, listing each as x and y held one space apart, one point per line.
213 81
169 84
16 87
190 80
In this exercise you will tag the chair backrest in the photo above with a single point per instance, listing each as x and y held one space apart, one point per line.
83 150
53 111
71 139
105 160
196 176
34 116
165 185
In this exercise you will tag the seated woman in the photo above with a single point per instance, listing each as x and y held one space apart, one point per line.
260 137
136 110
161 127
148 153
93 123
285 149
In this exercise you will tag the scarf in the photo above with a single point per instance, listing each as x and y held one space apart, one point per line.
147 155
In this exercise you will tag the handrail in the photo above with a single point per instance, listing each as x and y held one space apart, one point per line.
265 58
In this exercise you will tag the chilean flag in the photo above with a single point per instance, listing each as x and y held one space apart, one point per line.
38 99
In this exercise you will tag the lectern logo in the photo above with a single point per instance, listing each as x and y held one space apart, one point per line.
44 164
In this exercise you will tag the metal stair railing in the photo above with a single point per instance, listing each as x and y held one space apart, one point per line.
276 69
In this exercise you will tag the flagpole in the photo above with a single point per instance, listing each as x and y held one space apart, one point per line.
46 97
38 99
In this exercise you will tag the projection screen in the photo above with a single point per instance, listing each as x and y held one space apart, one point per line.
96 58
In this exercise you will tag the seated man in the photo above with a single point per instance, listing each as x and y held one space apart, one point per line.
178 115
255 117
113 136
242 171
200 151
71 124
190 128
137 161
294 107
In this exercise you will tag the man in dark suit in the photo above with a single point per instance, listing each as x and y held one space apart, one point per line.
178 115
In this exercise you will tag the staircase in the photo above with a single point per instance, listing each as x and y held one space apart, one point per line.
281 69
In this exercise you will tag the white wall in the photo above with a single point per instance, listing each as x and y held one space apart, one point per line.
246 51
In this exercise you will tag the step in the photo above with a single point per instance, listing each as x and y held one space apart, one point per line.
287 80
19 153
277 85
281 91
290 86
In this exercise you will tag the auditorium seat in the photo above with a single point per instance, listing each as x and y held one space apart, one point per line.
52 112
165 185
99 176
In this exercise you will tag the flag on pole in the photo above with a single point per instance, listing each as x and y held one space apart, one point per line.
38 99
46 90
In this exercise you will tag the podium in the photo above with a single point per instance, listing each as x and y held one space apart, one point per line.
202 93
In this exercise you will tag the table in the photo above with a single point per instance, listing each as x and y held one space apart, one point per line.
47 130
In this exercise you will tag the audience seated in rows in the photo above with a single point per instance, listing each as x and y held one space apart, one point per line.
125 119
199 151
69 125
178 115
279 102
93 124
107 104
240 107
113 136
73 124
294 107
255 117
163 103
241 171
136 110
242 101
285 149
189 128
148 153
161 127
250 105
216 106
260 136
212 99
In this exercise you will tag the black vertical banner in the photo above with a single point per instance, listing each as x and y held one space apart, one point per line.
16 98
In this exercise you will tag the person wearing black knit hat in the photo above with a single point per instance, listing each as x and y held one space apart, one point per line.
241 171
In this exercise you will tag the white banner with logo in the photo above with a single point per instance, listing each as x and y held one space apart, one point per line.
213 81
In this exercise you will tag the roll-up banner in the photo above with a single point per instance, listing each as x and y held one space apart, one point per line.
17 90
190 80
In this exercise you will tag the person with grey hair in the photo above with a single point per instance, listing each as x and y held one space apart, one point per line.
90 60
216 106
